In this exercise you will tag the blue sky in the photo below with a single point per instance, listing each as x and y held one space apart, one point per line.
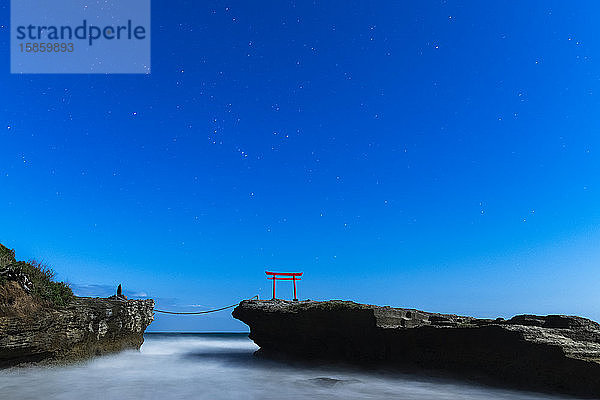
435 155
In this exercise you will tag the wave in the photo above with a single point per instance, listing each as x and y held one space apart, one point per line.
218 367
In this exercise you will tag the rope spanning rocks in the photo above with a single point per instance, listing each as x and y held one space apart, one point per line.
549 353
199 312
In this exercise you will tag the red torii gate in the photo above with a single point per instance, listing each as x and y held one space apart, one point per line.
284 276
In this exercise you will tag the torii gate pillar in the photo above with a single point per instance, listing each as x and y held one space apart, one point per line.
284 276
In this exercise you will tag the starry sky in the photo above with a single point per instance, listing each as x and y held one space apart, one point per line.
440 155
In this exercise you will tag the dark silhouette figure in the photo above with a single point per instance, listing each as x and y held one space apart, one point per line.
120 294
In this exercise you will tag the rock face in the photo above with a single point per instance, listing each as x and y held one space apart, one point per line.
85 328
550 353
41 320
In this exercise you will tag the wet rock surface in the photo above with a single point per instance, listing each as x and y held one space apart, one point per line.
554 353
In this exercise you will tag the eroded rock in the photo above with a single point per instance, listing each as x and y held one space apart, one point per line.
550 353
84 328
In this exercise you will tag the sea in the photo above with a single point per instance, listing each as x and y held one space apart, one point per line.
222 366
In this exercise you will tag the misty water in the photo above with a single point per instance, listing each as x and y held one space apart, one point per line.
212 366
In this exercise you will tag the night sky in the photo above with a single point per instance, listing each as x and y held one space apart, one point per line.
440 155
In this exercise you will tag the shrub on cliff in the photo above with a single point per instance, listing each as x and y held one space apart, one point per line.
7 256
44 287
35 278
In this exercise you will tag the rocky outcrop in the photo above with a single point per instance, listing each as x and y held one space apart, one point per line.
85 327
41 320
550 353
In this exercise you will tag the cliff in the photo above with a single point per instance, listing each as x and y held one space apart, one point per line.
550 353
41 320
84 328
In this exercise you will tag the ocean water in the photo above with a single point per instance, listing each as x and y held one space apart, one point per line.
221 366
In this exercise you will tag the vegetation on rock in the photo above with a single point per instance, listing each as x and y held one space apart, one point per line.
7 256
35 277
